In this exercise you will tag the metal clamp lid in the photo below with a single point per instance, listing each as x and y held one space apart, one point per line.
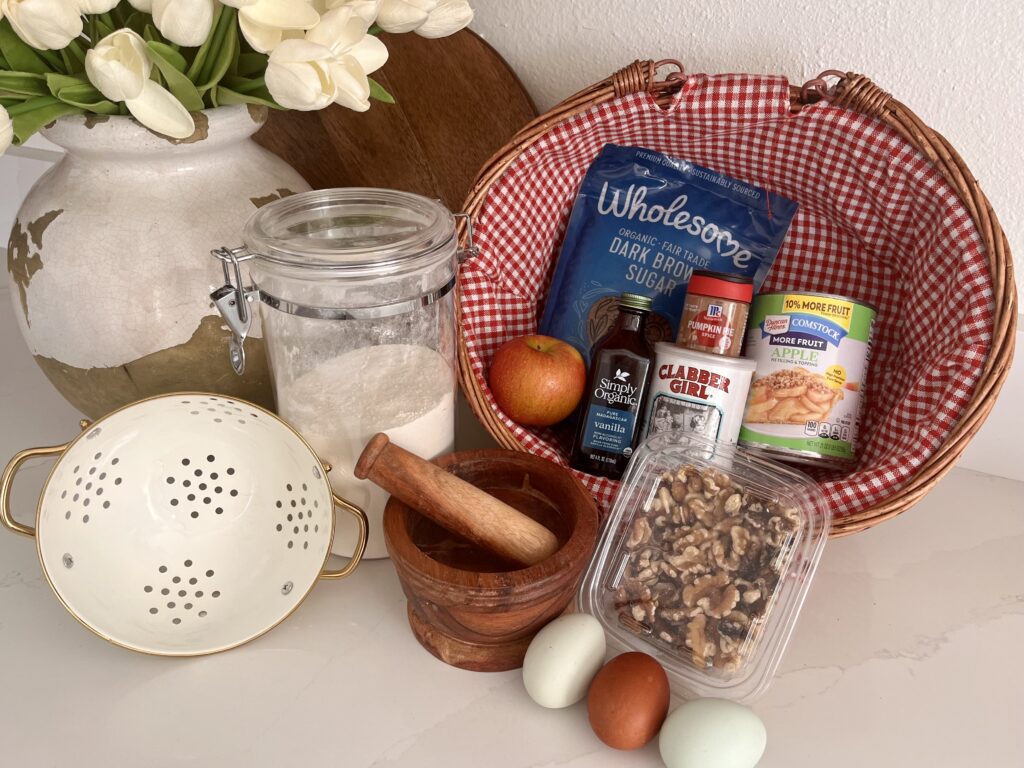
233 298
232 301
470 251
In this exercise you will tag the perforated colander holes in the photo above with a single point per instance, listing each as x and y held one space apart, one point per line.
91 482
300 516
220 410
180 593
201 485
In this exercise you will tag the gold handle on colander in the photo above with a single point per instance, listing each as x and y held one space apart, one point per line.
364 528
7 482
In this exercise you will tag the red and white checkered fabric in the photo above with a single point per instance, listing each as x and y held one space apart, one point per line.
876 222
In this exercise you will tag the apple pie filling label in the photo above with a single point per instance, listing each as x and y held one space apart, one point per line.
812 354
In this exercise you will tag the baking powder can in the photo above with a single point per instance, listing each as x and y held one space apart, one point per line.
812 352
697 393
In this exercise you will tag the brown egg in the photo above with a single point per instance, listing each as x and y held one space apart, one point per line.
628 701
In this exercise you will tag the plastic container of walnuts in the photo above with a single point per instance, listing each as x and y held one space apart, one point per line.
705 562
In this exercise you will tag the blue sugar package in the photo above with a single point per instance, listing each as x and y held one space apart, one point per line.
643 222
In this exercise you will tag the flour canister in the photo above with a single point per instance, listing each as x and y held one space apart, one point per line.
355 290
812 352
697 393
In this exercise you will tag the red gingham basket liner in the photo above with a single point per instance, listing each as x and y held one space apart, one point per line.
876 222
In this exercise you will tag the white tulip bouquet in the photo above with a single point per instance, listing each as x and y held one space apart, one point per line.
160 60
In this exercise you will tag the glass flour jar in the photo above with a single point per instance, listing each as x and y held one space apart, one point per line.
357 303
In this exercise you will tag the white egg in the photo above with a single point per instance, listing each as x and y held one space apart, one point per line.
712 732
562 660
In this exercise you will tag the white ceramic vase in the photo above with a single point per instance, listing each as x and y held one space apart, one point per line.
109 257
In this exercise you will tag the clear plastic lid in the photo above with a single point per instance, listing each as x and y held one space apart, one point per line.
356 231
705 561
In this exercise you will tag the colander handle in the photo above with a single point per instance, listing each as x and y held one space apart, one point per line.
7 483
364 528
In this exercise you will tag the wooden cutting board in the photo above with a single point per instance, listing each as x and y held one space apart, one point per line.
457 103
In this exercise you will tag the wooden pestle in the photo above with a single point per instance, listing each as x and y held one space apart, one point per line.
454 504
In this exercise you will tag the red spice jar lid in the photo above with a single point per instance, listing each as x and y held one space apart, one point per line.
721 285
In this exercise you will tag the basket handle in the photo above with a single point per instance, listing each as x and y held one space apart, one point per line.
7 483
642 74
852 91
364 527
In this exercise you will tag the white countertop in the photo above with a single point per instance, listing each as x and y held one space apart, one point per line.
908 653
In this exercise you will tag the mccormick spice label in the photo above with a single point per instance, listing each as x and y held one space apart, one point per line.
812 353
715 313
643 222
697 393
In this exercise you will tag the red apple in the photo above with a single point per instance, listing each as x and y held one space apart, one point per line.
537 380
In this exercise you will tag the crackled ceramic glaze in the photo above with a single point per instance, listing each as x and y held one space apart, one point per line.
109 263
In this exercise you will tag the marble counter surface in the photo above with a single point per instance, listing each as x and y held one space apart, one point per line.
908 653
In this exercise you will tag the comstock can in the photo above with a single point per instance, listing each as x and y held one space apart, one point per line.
812 352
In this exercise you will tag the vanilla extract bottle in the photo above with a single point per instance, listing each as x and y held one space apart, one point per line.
609 421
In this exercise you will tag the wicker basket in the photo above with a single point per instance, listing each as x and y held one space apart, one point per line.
876 186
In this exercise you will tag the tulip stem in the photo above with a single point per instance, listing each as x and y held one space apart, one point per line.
223 25
53 59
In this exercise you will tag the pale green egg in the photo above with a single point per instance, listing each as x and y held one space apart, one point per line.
562 660
712 733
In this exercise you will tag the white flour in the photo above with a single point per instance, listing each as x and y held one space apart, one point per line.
403 390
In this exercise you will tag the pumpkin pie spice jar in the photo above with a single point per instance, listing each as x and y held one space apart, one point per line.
715 313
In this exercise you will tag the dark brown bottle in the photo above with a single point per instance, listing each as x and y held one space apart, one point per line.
609 421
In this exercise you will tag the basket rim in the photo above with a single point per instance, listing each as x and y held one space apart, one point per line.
859 94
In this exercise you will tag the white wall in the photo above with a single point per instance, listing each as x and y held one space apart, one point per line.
958 64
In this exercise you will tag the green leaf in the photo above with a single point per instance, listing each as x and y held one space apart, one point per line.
171 66
250 64
107 22
103 27
88 98
20 56
379 92
77 56
258 95
244 84
140 23
223 50
22 84
169 54
79 92
195 70
29 116
66 60
56 81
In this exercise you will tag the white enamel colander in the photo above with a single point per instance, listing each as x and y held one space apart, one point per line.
184 524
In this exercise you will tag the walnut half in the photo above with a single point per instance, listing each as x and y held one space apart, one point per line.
705 558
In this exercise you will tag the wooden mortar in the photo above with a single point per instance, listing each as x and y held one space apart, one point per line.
476 610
